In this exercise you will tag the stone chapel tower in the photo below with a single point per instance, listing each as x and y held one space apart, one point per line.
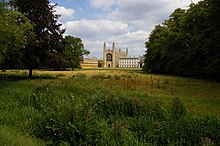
111 56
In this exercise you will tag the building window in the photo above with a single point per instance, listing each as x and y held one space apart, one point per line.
109 57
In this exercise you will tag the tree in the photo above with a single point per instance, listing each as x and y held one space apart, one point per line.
15 30
2 29
74 51
187 43
165 45
155 44
48 32
56 61
202 26
212 47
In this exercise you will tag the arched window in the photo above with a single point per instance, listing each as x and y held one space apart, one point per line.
109 57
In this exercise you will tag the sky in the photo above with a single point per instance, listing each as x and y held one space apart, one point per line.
128 23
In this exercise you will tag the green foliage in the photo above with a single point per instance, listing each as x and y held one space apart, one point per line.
15 32
187 43
31 37
48 33
74 51
56 61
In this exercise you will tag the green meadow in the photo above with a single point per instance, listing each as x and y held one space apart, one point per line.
107 107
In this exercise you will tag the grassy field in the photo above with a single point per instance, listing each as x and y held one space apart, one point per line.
107 107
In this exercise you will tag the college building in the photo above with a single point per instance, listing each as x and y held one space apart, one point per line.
89 63
117 58
131 62
111 56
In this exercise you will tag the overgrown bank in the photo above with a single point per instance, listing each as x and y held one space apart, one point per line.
110 108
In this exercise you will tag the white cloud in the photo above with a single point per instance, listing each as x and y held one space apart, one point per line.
95 47
144 14
126 22
95 29
66 13
103 4
134 41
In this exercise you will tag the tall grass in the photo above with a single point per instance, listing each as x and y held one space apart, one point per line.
107 108
123 121
11 137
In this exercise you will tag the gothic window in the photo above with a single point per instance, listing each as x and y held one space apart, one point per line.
109 57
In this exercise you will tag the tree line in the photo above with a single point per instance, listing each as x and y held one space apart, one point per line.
188 43
31 38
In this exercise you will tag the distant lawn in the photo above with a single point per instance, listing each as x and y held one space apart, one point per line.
108 107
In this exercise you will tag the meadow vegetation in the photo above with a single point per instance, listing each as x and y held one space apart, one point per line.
107 107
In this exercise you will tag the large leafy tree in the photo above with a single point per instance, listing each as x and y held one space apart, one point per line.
187 43
165 45
156 42
15 32
211 48
47 30
74 51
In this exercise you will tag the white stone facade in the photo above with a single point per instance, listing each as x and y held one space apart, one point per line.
131 62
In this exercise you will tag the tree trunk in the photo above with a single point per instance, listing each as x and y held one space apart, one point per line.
30 72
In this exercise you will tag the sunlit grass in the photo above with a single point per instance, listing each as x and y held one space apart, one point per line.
106 106
199 95
11 137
